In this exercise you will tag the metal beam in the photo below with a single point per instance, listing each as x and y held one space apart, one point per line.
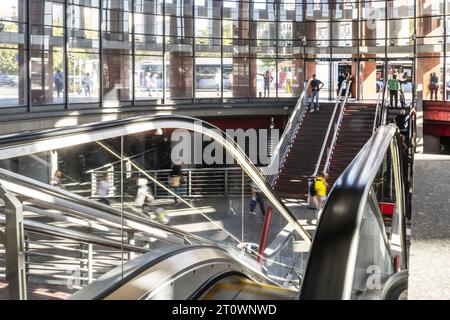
14 246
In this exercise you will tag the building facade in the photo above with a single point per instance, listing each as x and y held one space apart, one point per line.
78 54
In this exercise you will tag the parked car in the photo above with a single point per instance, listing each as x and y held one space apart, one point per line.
6 80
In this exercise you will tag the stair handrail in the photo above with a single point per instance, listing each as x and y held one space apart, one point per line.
378 109
337 125
330 125
282 147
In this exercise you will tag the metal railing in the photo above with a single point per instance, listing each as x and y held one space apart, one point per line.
284 144
67 239
337 126
351 225
379 109
199 182
339 102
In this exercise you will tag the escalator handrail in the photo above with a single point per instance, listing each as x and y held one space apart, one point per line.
282 147
330 125
337 126
333 252
62 137
378 109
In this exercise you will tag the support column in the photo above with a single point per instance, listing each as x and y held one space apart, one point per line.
116 62
181 62
14 246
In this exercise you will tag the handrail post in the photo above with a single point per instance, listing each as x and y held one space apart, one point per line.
90 262
265 231
189 181
14 246
226 181
131 240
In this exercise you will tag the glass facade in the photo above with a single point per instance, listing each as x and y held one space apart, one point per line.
143 52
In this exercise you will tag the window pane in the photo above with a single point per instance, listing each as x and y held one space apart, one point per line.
47 76
83 77
148 78
13 84
13 90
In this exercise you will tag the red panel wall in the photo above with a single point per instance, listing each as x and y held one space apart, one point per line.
436 117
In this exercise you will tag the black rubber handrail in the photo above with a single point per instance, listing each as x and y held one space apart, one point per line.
333 249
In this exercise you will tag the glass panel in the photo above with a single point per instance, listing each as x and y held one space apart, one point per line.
374 264
148 78
180 65
13 84
84 73
47 76
266 78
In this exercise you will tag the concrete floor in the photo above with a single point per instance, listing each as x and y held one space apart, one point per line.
429 262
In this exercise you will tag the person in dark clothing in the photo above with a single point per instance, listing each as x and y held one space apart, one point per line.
316 85
175 180
58 79
434 85
341 79
267 81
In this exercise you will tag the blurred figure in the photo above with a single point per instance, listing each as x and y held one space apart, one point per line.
257 197
434 85
394 86
320 187
103 189
340 80
57 179
267 81
58 80
161 215
176 179
87 83
218 81
144 195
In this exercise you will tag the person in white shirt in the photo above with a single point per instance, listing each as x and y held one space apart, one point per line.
143 194
103 189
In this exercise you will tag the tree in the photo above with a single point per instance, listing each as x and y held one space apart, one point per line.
9 61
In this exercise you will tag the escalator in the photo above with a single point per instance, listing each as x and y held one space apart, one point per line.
352 255
180 265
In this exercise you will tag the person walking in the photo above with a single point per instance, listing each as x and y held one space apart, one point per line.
340 80
320 187
393 85
176 180
316 86
257 198
58 80
218 81
103 189
143 194
87 82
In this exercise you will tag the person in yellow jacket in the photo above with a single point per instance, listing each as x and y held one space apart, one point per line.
320 187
